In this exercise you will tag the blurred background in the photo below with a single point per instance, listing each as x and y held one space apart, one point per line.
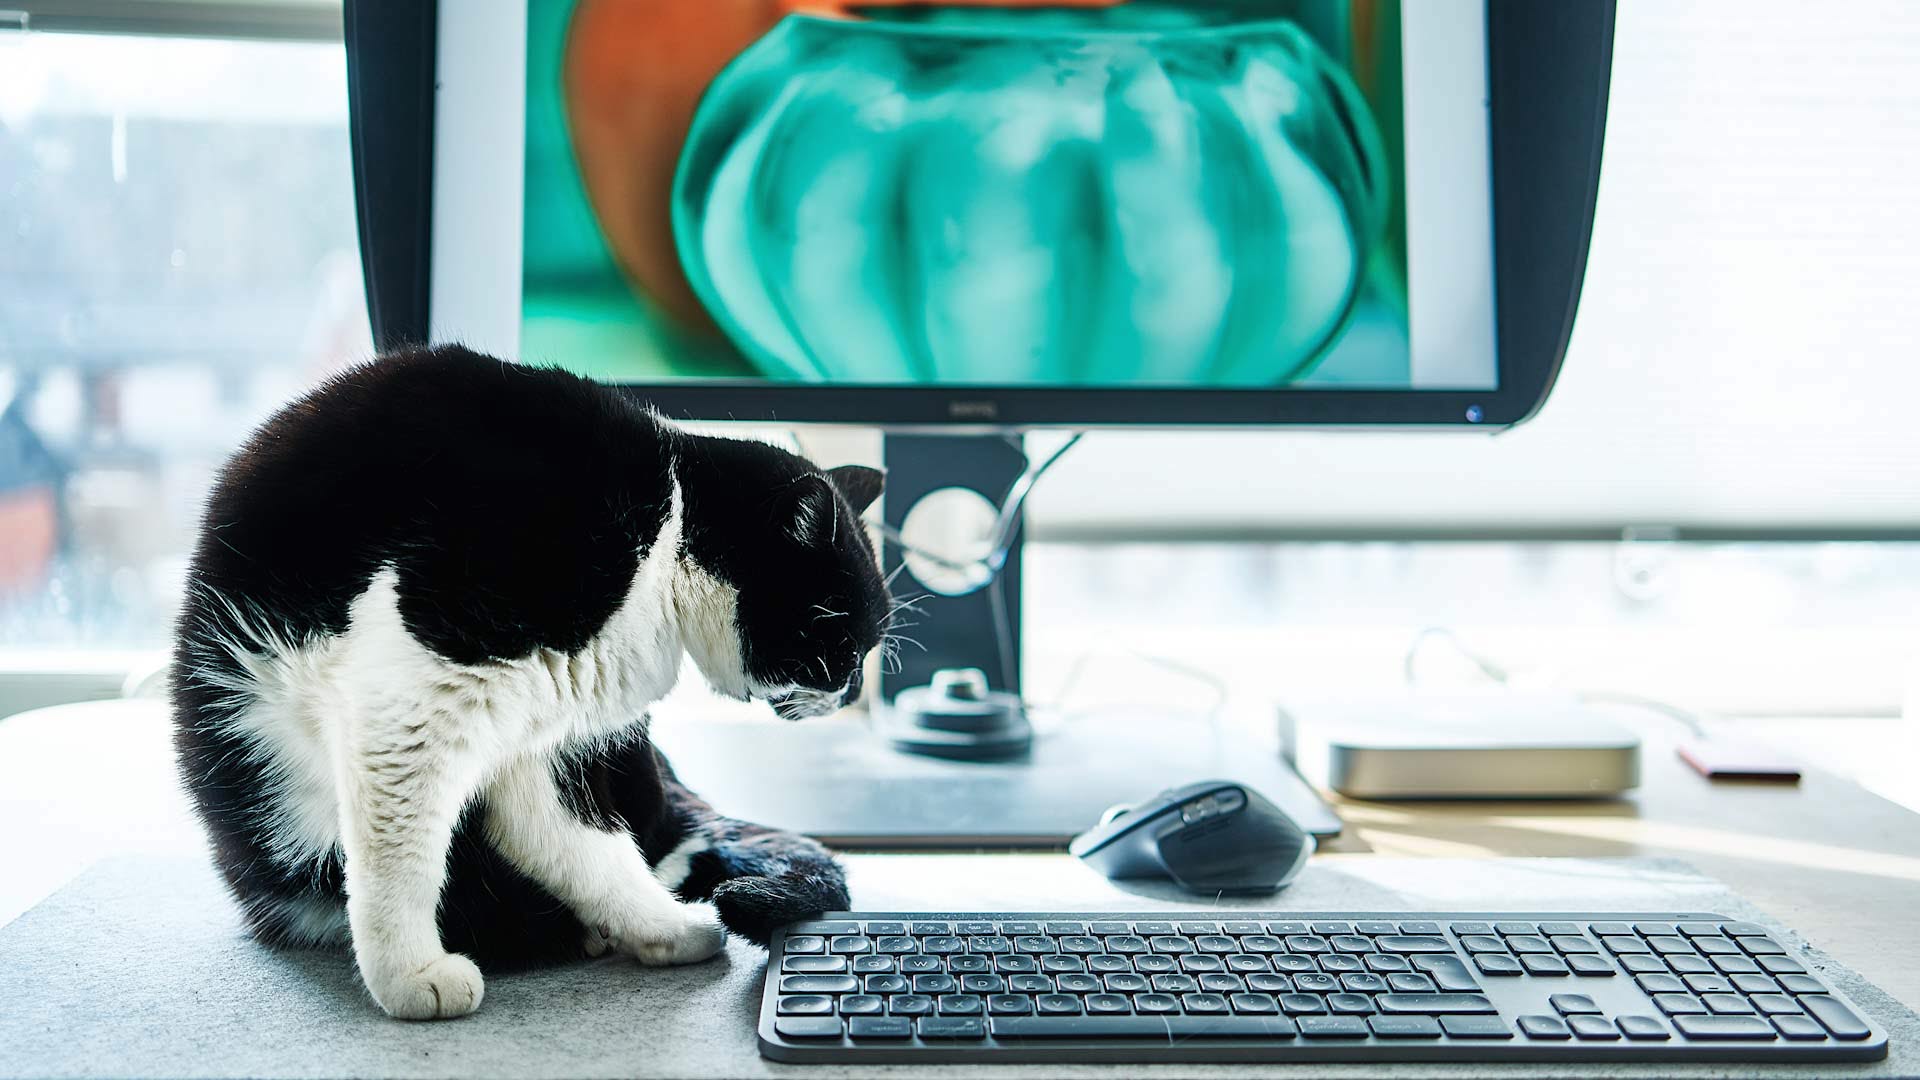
178 256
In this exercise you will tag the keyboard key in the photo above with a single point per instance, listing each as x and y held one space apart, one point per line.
1253 1003
1448 971
975 928
1731 964
1375 926
1054 965
983 984
1725 1027
1242 928
1799 1027
1593 1028
1267 984
968 965
1712 945
1333 1027
1420 927
1384 964
921 965
1407 982
1542 964
1609 929
1333 928
880 1027
1009 1004
823 929
1355 944
1588 965
1108 929
1761 946
1471 928
1233 984
814 964
1192 928
1780 965
1836 1017
1349 1004
1640 965
1744 929
1181 984
1216 943
861 1004
895 945
1057 1004
959 1005
1201 962
1059 928
991 943
1107 963
1078 983
927 929
1316 983
1030 984
1150 1027
1568 944
1544 1027
1652 929
884 984
1012 929
1156 1004
952 1027
1621 944
1754 984
1299 943
1404 1027
1340 963
1643 1029
1708 984
1514 927
1482 943
1108 1004
878 929
1154 964
1698 929
1690 964
805 1005
1434 1004
1149 929
1667 946
1170 943
1573 1004
1035 944
1282 929
1726 1004
934 984
1126 982
1552 928
804 944
1015 964
1497 964
1412 943
1204 1003
1678 1004
808 1027
1528 943
873 965
1301 1004
909 1005
850 943
1285 962
818 984
1476 1027
940 945
1802 984
1363 983
1126 943
1774 1004
1662 984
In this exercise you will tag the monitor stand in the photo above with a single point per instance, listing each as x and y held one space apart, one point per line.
955 769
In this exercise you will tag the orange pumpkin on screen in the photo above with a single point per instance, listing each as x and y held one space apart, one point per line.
633 72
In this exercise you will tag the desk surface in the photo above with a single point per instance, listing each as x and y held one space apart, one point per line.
1837 864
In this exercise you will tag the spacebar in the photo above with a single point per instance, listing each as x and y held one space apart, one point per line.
1143 1027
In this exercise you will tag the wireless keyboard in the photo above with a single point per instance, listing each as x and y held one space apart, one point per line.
1189 986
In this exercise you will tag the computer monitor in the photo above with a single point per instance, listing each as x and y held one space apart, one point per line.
990 216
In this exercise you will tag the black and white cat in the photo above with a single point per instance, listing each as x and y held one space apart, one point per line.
430 604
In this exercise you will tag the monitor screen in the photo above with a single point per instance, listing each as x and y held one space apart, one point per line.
1081 194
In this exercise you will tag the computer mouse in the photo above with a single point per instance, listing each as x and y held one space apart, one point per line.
1215 836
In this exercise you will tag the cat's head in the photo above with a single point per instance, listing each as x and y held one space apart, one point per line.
808 599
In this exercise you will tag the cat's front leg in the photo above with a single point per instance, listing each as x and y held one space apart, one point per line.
403 778
598 872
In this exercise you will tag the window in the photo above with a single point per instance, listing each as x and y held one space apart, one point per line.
177 257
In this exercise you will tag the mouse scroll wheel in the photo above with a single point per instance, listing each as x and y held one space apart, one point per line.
1115 813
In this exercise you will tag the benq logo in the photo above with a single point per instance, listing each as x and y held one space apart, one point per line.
972 410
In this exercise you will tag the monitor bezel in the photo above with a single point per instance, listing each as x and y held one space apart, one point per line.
1548 67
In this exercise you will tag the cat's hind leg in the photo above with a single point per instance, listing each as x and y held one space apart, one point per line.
404 774
600 873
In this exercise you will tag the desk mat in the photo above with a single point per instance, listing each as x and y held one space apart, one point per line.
139 967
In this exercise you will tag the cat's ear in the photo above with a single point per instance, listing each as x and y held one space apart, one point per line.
857 484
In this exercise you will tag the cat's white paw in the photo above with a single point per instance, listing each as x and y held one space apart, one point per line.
449 986
693 936
594 943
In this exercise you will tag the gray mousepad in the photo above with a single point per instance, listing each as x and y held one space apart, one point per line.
835 779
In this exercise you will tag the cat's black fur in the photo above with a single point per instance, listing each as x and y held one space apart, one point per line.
513 504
